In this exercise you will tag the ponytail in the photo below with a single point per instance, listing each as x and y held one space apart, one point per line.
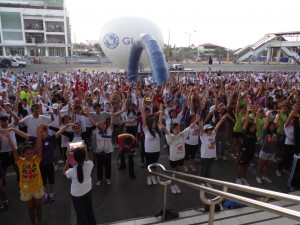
80 173
79 156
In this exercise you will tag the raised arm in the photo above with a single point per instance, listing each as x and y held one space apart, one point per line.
112 120
20 133
161 114
220 123
143 117
267 119
39 148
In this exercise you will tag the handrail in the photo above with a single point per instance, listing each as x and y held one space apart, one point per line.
292 214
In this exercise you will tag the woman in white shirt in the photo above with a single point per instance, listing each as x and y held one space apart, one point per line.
104 148
152 143
176 140
81 186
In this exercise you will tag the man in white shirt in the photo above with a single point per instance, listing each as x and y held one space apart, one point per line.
32 121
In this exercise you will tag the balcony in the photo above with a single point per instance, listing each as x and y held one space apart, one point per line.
33 24
55 28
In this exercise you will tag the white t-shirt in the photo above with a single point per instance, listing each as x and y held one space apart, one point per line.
104 141
80 189
289 132
176 142
208 146
152 144
32 123
5 145
193 136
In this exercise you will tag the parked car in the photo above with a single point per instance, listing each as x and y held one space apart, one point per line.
17 63
5 62
177 67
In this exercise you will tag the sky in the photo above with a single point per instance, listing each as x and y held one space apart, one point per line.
229 23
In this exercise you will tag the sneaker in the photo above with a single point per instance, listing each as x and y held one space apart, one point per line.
46 198
165 146
228 144
239 181
98 183
108 182
208 185
55 167
153 179
4 206
224 158
234 156
267 180
178 191
186 169
252 164
278 173
173 189
149 181
193 168
51 197
258 179
245 182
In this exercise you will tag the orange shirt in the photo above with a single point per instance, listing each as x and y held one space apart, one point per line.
120 140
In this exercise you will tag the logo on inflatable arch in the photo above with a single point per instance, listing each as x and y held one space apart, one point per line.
111 40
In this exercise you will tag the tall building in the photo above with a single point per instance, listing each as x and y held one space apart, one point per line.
34 28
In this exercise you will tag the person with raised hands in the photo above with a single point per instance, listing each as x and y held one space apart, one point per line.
268 149
31 184
247 150
176 140
208 147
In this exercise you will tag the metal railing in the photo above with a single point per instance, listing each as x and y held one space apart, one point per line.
223 194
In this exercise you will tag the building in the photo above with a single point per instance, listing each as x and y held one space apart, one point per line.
34 28
208 49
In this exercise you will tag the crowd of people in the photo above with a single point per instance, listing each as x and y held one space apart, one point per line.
205 115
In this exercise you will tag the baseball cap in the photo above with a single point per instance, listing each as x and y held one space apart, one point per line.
208 127
148 99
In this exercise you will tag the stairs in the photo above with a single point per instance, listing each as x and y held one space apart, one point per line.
241 216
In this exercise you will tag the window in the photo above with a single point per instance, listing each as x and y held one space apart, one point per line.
11 20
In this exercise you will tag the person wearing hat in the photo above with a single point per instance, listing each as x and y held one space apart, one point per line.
208 147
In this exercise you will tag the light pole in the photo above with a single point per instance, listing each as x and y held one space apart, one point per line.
190 34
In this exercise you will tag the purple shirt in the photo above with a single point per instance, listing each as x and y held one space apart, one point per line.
48 146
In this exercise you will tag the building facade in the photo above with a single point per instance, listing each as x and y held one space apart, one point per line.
34 28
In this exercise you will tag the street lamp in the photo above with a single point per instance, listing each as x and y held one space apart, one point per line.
190 33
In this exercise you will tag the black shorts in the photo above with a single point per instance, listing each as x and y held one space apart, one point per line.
237 134
174 164
47 172
7 159
190 151
151 157
244 158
